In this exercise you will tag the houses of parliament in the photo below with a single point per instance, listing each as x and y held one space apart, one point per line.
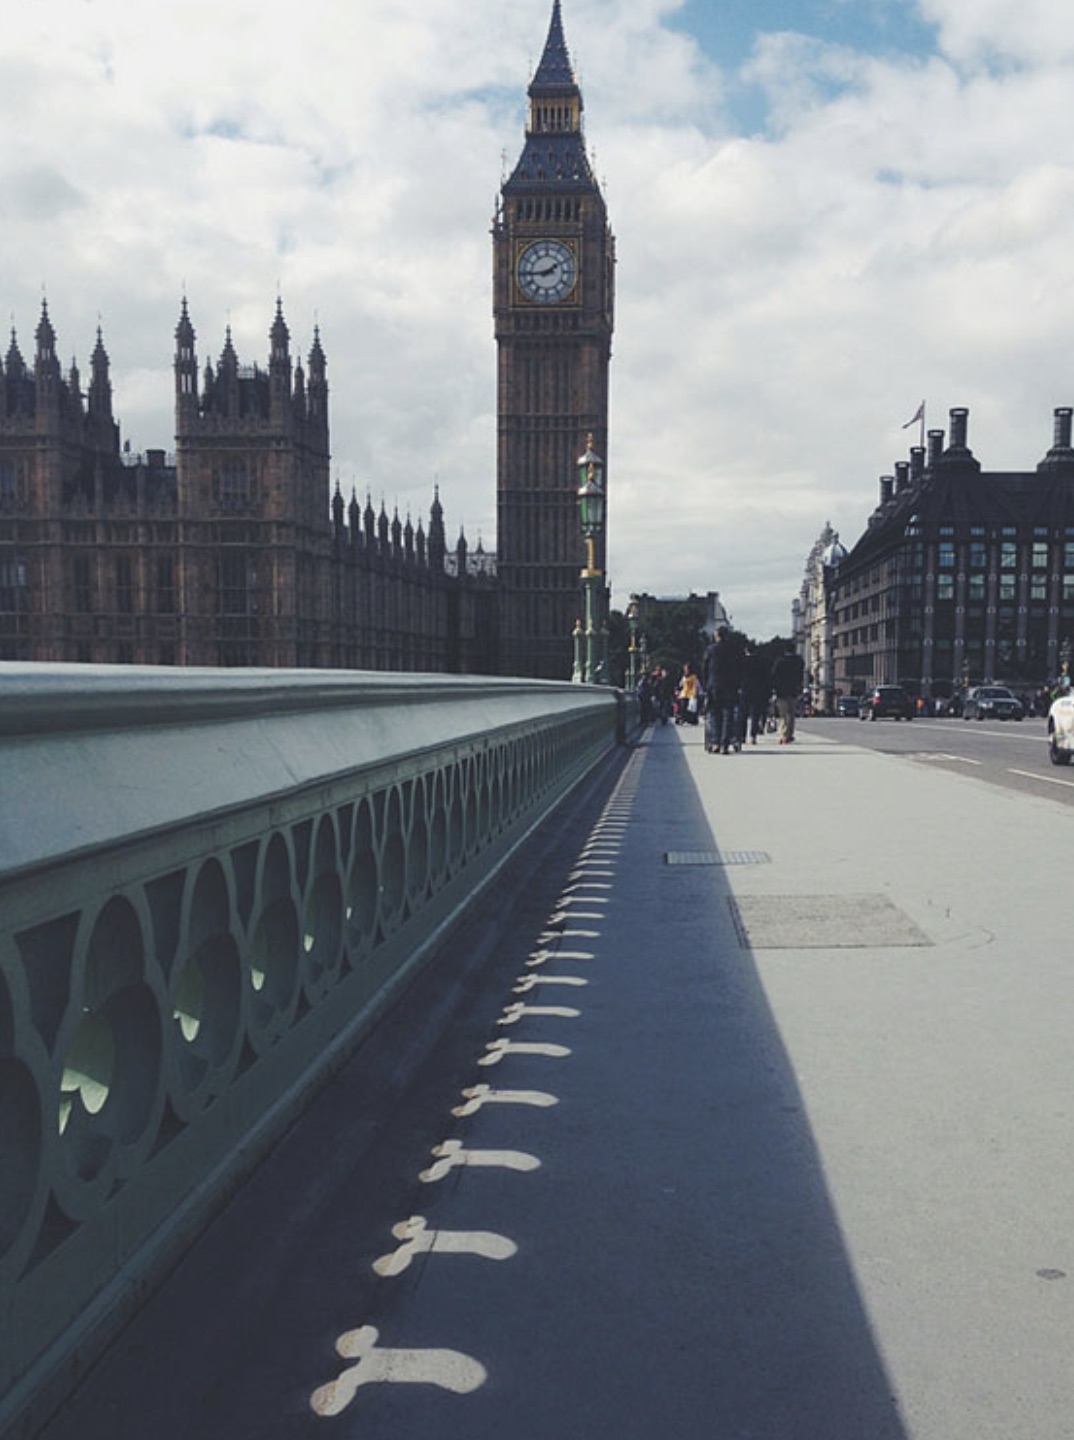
235 551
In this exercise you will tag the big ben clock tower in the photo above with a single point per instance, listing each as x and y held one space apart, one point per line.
554 262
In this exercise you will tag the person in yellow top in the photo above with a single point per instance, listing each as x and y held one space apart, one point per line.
687 695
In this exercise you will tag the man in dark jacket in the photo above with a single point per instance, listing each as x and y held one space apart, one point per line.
722 676
756 693
788 674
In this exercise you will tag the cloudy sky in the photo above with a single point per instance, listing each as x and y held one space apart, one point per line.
826 211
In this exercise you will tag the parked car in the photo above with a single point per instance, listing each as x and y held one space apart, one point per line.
1061 730
848 705
992 702
886 700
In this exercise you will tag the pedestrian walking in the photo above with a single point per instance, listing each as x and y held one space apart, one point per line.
722 671
788 674
643 690
663 691
688 696
756 693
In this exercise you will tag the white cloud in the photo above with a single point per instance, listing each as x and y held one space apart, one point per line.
994 32
902 229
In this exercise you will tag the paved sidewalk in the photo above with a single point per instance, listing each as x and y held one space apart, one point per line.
937 1077
757 1125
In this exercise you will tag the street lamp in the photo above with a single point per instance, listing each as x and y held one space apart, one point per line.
591 646
632 654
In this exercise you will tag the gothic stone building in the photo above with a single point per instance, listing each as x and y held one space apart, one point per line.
554 263
962 575
231 552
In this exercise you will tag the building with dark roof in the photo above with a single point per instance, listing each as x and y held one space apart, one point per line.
961 576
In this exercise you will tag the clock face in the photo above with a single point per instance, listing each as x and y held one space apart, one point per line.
547 271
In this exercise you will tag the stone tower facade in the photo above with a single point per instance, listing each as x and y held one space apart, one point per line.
554 286
252 449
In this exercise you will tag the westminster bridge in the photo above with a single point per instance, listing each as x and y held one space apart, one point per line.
390 1056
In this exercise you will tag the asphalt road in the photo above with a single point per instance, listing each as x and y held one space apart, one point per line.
1013 754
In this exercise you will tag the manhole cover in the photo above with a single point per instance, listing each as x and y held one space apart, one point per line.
822 922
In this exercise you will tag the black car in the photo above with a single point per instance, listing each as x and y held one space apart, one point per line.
887 701
848 705
992 702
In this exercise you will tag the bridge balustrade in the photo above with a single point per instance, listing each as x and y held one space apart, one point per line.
212 884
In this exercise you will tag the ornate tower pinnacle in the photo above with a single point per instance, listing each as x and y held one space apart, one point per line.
555 99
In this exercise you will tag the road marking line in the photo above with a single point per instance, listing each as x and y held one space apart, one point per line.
497 1049
478 1095
1046 779
452 1155
418 1239
942 755
448 1369
514 1013
527 982
542 957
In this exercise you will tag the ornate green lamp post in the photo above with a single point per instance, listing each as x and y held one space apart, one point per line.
591 645
632 654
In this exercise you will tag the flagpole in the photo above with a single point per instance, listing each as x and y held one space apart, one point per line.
918 415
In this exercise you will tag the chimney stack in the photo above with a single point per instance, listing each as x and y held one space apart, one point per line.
959 419
935 447
887 488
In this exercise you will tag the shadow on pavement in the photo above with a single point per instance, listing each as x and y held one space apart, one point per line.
751 1263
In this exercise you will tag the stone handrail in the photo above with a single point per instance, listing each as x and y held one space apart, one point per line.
212 884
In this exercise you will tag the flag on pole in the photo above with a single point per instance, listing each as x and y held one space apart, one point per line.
919 414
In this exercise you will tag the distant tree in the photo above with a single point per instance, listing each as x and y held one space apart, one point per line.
774 648
673 634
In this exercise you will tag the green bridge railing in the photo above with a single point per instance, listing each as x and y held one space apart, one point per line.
212 885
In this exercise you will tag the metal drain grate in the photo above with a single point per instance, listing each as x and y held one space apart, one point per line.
716 857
